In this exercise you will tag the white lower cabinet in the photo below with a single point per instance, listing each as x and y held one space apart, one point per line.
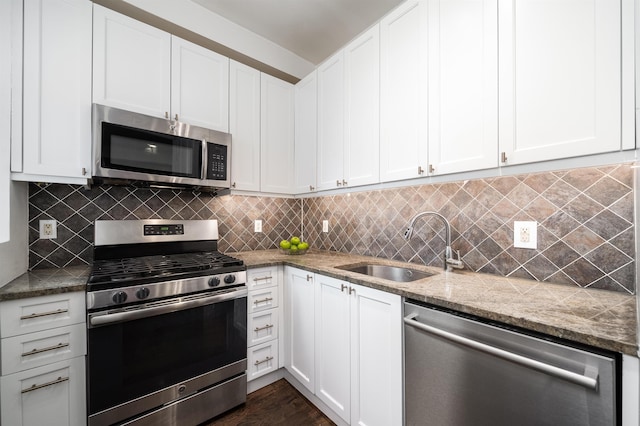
263 321
52 395
43 349
344 343
299 329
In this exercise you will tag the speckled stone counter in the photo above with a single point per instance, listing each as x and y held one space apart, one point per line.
599 318
42 282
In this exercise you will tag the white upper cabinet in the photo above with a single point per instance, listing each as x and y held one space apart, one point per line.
131 64
560 78
463 85
306 133
331 122
199 85
140 68
56 139
362 108
349 114
276 135
403 92
244 126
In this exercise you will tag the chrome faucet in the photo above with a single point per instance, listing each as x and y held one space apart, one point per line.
449 261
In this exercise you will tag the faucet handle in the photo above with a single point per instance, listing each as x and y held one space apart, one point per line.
456 263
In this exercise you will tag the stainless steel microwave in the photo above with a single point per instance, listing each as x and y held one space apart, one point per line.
135 148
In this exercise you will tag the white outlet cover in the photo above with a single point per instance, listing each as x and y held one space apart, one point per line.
257 227
48 229
325 226
525 234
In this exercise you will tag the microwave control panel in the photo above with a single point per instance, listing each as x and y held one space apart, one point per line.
216 162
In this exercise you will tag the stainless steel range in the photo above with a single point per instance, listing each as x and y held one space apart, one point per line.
167 324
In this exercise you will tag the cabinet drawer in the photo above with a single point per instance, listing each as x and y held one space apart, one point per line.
263 299
262 277
262 359
41 313
43 347
51 395
262 327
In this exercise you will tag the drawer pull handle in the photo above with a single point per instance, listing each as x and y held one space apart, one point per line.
266 299
50 348
44 314
262 278
44 385
266 327
267 359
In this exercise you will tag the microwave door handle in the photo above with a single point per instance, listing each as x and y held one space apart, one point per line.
203 171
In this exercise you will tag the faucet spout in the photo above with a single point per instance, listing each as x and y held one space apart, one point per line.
449 260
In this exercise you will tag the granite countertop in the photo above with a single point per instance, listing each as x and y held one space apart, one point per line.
42 282
600 318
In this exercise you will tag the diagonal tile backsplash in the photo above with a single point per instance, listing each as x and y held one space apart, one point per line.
586 234
75 208
585 225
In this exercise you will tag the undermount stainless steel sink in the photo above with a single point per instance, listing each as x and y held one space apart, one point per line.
392 273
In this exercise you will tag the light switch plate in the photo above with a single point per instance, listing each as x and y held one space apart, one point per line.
257 227
525 234
325 226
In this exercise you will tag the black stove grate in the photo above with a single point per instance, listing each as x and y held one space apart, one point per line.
163 267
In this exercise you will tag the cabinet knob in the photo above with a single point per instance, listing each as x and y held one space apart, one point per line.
344 182
431 168
166 114
343 287
420 170
338 183
503 157
177 117
311 187
233 185
352 290
84 171
309 277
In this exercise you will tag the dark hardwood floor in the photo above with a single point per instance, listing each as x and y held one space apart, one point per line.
276 404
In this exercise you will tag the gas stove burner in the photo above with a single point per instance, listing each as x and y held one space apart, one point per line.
133 265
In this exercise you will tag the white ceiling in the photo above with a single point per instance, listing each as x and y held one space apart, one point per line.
312 29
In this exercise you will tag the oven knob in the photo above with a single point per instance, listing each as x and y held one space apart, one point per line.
214 282
142 293
229 279
119 297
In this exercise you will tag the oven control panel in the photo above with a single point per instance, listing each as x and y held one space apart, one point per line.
177 229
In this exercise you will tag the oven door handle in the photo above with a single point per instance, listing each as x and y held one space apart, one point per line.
181 304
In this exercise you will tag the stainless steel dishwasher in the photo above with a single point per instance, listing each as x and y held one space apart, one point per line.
460 371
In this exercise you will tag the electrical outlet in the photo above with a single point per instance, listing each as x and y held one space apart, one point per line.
257 227
325 226
525 234
48 229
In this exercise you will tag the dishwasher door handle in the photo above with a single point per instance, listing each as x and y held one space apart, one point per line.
570 376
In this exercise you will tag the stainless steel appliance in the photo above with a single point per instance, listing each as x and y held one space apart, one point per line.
460 371
135 148
167 324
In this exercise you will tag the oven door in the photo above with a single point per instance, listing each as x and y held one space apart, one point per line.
146 356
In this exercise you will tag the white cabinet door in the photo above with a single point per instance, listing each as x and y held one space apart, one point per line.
52 395
299 329
362 109
306 133
463 85
330 171
276 135
57 89
244 126
332 345
403 92
376 357
560 78
131 64
199 85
